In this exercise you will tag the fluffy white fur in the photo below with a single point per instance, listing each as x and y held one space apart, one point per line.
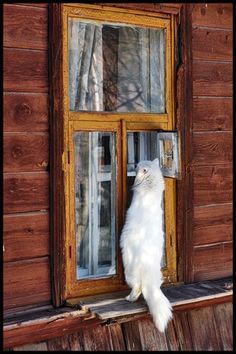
142 240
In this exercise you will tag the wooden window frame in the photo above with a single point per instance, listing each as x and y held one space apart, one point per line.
63 286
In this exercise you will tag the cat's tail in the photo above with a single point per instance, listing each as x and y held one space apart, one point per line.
158 304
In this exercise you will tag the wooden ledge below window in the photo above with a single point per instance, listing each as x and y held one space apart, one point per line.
42 324
182 297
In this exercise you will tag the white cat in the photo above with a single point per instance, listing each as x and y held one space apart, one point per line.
142 240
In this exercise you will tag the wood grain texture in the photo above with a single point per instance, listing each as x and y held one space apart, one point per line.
212 224
49 329
212 261
132 336
26 152
151 338
224 323
25 70
26 283
26 192
205 337
212 79
213 114
25 27
25 236
31 4
57 198
25 112
212 148
172 8
70 342
210 44
75 329
181 325
32 347
96 339
116 337
217 15
212 185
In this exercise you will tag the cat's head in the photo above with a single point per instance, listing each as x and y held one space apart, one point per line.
149 175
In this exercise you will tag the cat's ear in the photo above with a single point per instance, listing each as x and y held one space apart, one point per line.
156 161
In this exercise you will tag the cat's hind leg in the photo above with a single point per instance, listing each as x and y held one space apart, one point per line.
134 294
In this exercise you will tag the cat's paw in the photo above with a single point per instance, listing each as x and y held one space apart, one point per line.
130 298
133 296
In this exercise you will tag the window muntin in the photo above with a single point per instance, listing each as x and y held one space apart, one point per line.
121 123
117 68
95 203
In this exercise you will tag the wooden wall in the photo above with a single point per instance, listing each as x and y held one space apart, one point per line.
26 148
207 328
26 156
212 140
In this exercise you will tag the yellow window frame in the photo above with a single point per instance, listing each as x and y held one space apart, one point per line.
121 123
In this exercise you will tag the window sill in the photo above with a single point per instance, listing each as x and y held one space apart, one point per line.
40 324
115 307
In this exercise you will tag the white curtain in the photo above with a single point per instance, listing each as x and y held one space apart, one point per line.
85 66
140 68
141 83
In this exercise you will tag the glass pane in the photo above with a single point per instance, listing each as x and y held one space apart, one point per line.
116 68
141 146
95 203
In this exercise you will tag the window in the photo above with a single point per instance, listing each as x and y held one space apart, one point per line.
118 78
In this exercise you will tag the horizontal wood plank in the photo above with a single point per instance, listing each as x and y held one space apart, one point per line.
212 79
212 185
213 114
50 324
32 4
25 192
48 328
25 236
212 224
25 112
114 305
173 8
219 15
215 45
26 152
25 70
212 261
211 148
26 283
25 27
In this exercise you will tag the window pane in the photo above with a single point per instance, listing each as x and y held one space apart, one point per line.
95 203
141 146
116 68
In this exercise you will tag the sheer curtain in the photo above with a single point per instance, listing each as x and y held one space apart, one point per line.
141 83
140 68
85 66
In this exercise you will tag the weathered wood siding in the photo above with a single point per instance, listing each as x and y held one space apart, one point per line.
26 156
26 146
183 333
212 140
